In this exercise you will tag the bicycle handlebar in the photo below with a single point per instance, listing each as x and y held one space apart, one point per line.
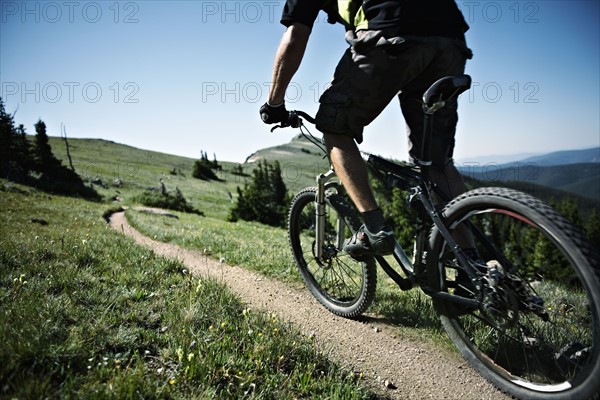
295 120
434 98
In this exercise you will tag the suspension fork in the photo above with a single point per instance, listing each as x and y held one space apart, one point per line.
321 213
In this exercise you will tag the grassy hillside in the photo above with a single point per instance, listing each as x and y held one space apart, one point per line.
137 169
301 161
90 311
87 313
249 244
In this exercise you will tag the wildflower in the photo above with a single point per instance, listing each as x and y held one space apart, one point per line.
180 354
172 381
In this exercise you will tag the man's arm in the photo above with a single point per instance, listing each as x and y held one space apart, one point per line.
287 60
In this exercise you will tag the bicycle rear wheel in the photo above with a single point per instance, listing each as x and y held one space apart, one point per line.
536 333
345 287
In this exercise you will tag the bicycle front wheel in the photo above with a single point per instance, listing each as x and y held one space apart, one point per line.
536 333
345 287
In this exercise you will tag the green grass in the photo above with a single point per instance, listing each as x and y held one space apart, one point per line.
139 169
251 245
86 313
266 250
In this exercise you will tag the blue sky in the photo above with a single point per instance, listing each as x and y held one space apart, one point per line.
184 76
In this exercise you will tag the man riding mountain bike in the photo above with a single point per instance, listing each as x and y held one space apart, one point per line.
397 48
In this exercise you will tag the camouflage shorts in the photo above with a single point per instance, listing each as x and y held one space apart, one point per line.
379 66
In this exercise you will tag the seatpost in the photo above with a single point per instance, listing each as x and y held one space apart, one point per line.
425 161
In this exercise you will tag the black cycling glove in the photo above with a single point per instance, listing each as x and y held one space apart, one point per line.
273 114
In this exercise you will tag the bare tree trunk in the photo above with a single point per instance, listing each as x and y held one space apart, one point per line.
64 136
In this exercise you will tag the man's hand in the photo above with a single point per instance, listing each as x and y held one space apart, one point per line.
273 114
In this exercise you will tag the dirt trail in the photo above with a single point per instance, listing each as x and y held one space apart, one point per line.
416 370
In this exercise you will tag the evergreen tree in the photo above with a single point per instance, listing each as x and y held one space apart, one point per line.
569 209
215 163
18 158
23 149
203 168
592 229
10 167
264 199
238 170
55 177
44 160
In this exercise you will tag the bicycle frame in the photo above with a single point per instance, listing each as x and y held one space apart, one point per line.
419 183
422 190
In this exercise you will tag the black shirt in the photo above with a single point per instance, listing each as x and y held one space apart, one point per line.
409 17
302 11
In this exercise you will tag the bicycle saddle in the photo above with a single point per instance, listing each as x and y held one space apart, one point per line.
446 89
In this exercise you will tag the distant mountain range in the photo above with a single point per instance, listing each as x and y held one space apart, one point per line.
572 171
575 171
565 157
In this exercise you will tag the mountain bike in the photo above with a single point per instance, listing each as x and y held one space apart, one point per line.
523 308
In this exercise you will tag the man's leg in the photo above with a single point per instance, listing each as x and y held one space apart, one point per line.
449 180
374 237
351 170
451 183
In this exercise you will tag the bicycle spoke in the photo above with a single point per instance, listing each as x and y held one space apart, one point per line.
535 330
343 285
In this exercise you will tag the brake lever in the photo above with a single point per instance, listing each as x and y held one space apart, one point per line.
293 121
282 125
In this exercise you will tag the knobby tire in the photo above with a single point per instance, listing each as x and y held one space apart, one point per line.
343 285
550 352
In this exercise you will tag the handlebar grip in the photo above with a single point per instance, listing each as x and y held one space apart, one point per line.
305 116
293 120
